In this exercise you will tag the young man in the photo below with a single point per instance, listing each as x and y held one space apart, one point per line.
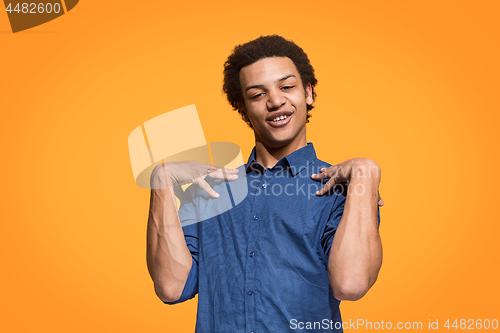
284 257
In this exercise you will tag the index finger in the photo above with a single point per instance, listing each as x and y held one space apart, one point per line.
329 184
220 173
205 187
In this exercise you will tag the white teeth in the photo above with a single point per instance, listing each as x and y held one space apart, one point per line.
279 118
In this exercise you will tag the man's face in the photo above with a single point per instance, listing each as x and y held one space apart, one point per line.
275 102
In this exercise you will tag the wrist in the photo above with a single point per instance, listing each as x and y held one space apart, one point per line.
161 177
365 170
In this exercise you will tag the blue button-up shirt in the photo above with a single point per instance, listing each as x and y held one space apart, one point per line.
260 260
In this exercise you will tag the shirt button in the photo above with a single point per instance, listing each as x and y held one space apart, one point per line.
255 217
250 293
264 185
252 254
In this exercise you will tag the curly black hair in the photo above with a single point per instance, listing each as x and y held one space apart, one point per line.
257 49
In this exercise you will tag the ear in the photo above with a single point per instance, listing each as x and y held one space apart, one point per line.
309 96
243 112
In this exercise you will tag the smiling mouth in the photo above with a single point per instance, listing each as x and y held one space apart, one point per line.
280 119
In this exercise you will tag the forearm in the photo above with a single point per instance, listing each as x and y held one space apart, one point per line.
168 258
356 252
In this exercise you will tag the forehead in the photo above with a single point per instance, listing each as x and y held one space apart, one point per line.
267 71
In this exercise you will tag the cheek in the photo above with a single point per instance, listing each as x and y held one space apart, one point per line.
256 111
300 104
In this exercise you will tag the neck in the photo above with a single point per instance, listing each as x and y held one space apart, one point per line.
269 156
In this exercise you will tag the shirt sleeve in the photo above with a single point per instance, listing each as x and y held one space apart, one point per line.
332 224
188 216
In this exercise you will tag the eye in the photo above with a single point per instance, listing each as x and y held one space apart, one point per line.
256 96
287 87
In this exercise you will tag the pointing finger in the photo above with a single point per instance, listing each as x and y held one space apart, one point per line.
325 172
222 174
329 184
214 168
205 187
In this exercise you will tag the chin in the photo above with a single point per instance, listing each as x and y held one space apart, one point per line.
279 142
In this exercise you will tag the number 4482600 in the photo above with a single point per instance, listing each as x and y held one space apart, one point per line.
33 8
471 324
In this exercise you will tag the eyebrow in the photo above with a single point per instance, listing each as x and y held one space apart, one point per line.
262 86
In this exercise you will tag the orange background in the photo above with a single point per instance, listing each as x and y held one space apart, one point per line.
413 85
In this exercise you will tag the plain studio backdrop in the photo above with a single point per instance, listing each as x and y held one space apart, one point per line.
412 85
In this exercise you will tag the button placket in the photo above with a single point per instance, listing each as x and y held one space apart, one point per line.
258 202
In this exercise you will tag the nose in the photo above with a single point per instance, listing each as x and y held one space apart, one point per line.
275 99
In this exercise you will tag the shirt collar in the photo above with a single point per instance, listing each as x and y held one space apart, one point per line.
294 162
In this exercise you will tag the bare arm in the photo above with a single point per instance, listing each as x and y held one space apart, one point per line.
168 258
356 251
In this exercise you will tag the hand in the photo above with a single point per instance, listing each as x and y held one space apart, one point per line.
345 172
179 173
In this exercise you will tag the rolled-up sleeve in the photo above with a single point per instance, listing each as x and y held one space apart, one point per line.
191 286
332 225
